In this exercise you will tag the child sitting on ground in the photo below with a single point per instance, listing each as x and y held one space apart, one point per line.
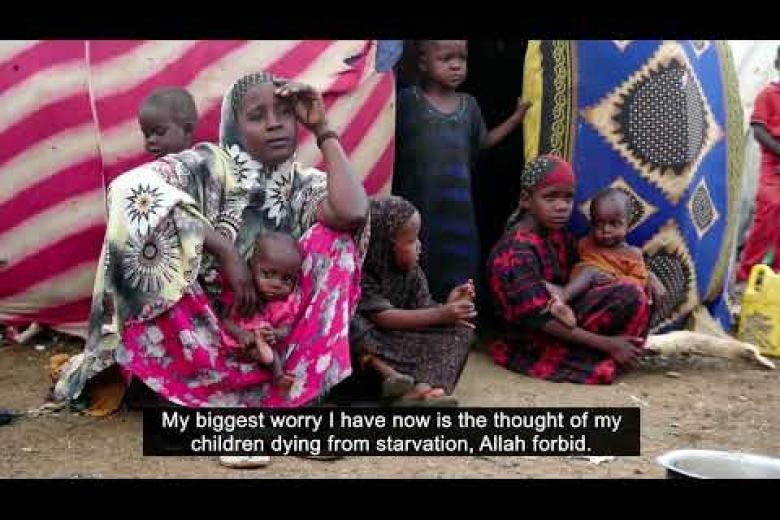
417 345
167 118
604 256
275 264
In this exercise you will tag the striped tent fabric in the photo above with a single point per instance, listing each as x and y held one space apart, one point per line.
68 126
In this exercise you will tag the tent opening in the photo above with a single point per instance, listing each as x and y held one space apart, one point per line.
495 79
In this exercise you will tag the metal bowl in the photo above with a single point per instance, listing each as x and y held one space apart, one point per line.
711 464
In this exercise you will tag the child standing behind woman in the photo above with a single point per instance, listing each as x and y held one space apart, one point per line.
439 132
418 346
168 117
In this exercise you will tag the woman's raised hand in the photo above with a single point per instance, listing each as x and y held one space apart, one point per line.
307 103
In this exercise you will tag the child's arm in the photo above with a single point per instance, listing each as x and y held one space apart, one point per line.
497 134
579 284
457 312
623 349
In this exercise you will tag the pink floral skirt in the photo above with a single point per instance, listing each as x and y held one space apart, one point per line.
186 356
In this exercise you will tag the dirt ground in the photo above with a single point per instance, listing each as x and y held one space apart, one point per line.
713 404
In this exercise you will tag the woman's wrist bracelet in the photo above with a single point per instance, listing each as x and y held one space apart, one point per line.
324 136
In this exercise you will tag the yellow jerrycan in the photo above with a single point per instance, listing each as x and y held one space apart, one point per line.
759 320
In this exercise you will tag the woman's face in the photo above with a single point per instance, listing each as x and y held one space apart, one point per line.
406 244
551 206
267 125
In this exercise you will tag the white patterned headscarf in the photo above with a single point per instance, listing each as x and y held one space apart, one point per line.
231 103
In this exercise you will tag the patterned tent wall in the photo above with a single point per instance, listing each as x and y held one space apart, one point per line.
68 127
663 121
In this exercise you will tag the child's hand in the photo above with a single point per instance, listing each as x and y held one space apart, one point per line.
521 109
307 103
464 292
246 339
459 312
601 278
265 334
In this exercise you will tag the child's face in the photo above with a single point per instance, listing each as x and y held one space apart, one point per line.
609 222
276 277
445 62
267 125
162 133
406 244
551 206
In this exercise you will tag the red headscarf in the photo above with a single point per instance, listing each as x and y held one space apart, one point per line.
543 171
546 170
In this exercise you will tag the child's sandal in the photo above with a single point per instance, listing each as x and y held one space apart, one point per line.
397 386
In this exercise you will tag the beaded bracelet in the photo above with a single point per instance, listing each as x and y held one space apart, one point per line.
330 134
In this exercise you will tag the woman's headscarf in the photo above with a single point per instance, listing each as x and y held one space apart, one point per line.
542 172
231 104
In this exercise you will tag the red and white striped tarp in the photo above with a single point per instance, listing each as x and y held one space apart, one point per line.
68 126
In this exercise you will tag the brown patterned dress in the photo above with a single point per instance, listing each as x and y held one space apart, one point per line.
433 355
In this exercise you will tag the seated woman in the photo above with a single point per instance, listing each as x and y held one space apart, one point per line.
526 271
163 290
418 346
